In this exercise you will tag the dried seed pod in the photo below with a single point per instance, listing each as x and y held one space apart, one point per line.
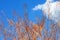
11 22
36 27
14 38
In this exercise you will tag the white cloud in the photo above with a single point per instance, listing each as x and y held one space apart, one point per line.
50 10
38 7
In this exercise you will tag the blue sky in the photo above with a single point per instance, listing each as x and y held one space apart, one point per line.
9 5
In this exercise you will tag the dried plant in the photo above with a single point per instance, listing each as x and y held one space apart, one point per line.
23 30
